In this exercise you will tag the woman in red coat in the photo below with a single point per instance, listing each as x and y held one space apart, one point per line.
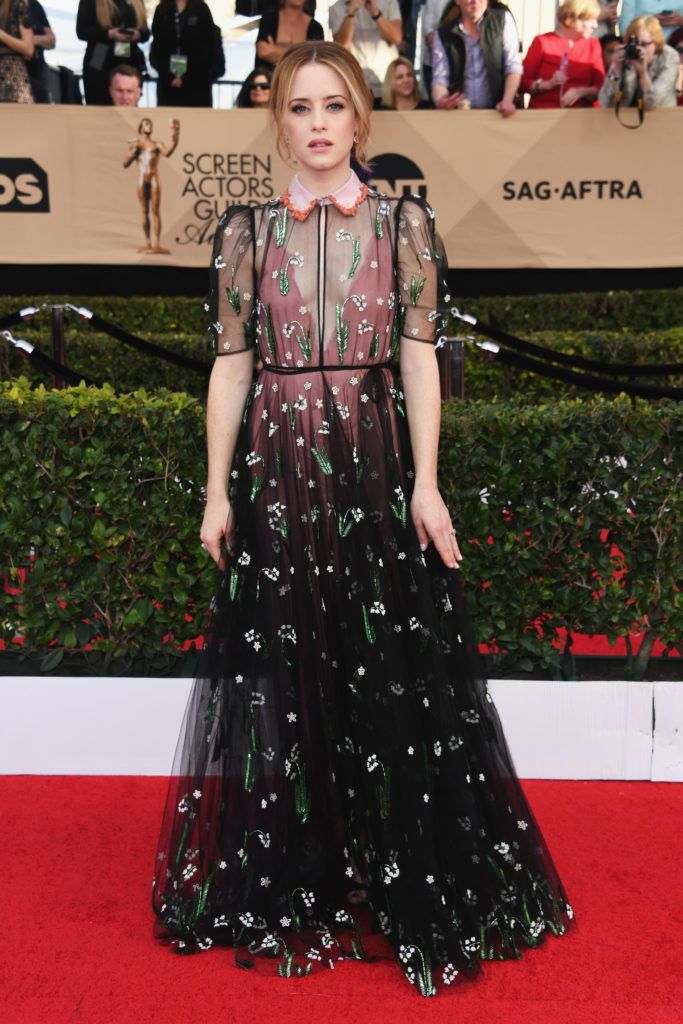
564 68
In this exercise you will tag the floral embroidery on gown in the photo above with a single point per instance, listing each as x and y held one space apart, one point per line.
340 727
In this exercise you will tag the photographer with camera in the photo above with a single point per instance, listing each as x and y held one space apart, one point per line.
644 67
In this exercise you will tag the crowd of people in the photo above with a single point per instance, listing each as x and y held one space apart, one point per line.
600 52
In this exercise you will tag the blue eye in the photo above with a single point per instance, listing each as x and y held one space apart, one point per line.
299 108
335 106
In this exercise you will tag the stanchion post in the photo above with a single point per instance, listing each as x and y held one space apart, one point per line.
451 358
58 350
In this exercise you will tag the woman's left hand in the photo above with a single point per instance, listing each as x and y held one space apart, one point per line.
433 523
570 97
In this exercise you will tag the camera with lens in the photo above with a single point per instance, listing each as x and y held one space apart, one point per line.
633 51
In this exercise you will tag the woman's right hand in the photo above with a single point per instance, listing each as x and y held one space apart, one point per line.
558 78
617 62
118 36
218 523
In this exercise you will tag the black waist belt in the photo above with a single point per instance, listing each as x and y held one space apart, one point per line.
326 368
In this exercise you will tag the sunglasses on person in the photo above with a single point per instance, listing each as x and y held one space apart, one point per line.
261 85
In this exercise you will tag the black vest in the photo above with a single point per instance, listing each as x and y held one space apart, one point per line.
491 43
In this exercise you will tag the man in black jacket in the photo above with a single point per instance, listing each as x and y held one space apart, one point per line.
475 58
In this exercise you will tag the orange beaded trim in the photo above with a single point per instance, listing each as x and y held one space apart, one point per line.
348 211
297 214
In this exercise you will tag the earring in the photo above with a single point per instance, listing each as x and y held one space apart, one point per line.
355 138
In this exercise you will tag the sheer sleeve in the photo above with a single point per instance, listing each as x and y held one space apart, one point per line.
231 302
422 270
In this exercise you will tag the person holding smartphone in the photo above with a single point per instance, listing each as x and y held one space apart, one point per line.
112 30
668 13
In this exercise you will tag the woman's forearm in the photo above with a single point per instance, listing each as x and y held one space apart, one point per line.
420 376
22 44
229 385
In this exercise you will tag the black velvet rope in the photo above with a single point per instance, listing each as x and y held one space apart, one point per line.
581 362
583 380
114 331
10 320
65 372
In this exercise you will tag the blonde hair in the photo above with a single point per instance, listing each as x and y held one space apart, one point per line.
388 95
576 10
651 25
105 11
348 69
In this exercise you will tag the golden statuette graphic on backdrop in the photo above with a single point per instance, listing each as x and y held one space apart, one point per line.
146 152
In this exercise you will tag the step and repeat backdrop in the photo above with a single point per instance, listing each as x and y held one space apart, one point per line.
146 186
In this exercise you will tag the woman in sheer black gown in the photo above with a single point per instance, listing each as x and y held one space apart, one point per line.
340 754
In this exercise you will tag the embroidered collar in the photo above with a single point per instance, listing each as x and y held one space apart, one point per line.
300 201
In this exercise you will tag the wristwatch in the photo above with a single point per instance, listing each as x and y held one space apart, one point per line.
536 85
376 17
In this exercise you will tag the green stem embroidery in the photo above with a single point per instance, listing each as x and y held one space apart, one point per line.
416 286
257 485
342 328
355 258
270 333
370 634
183 842
281 227
302 796
233 297
323 460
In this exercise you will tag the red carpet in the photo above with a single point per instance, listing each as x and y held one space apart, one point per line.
77 944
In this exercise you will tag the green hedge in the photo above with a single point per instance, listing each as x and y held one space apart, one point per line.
636 310
104 359
106 491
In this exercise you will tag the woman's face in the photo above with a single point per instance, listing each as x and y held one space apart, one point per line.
404 80
259 93
319 120
581 28
646 45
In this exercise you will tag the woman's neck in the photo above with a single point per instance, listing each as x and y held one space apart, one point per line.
323 183
405 102
567 33
181 5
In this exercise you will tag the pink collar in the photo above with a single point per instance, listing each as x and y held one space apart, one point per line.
300 201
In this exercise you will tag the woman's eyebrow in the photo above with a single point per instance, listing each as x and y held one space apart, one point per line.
305 99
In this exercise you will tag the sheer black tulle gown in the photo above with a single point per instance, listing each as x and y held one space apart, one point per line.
340 728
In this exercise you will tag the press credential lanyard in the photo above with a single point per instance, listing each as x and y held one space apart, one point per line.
178 60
